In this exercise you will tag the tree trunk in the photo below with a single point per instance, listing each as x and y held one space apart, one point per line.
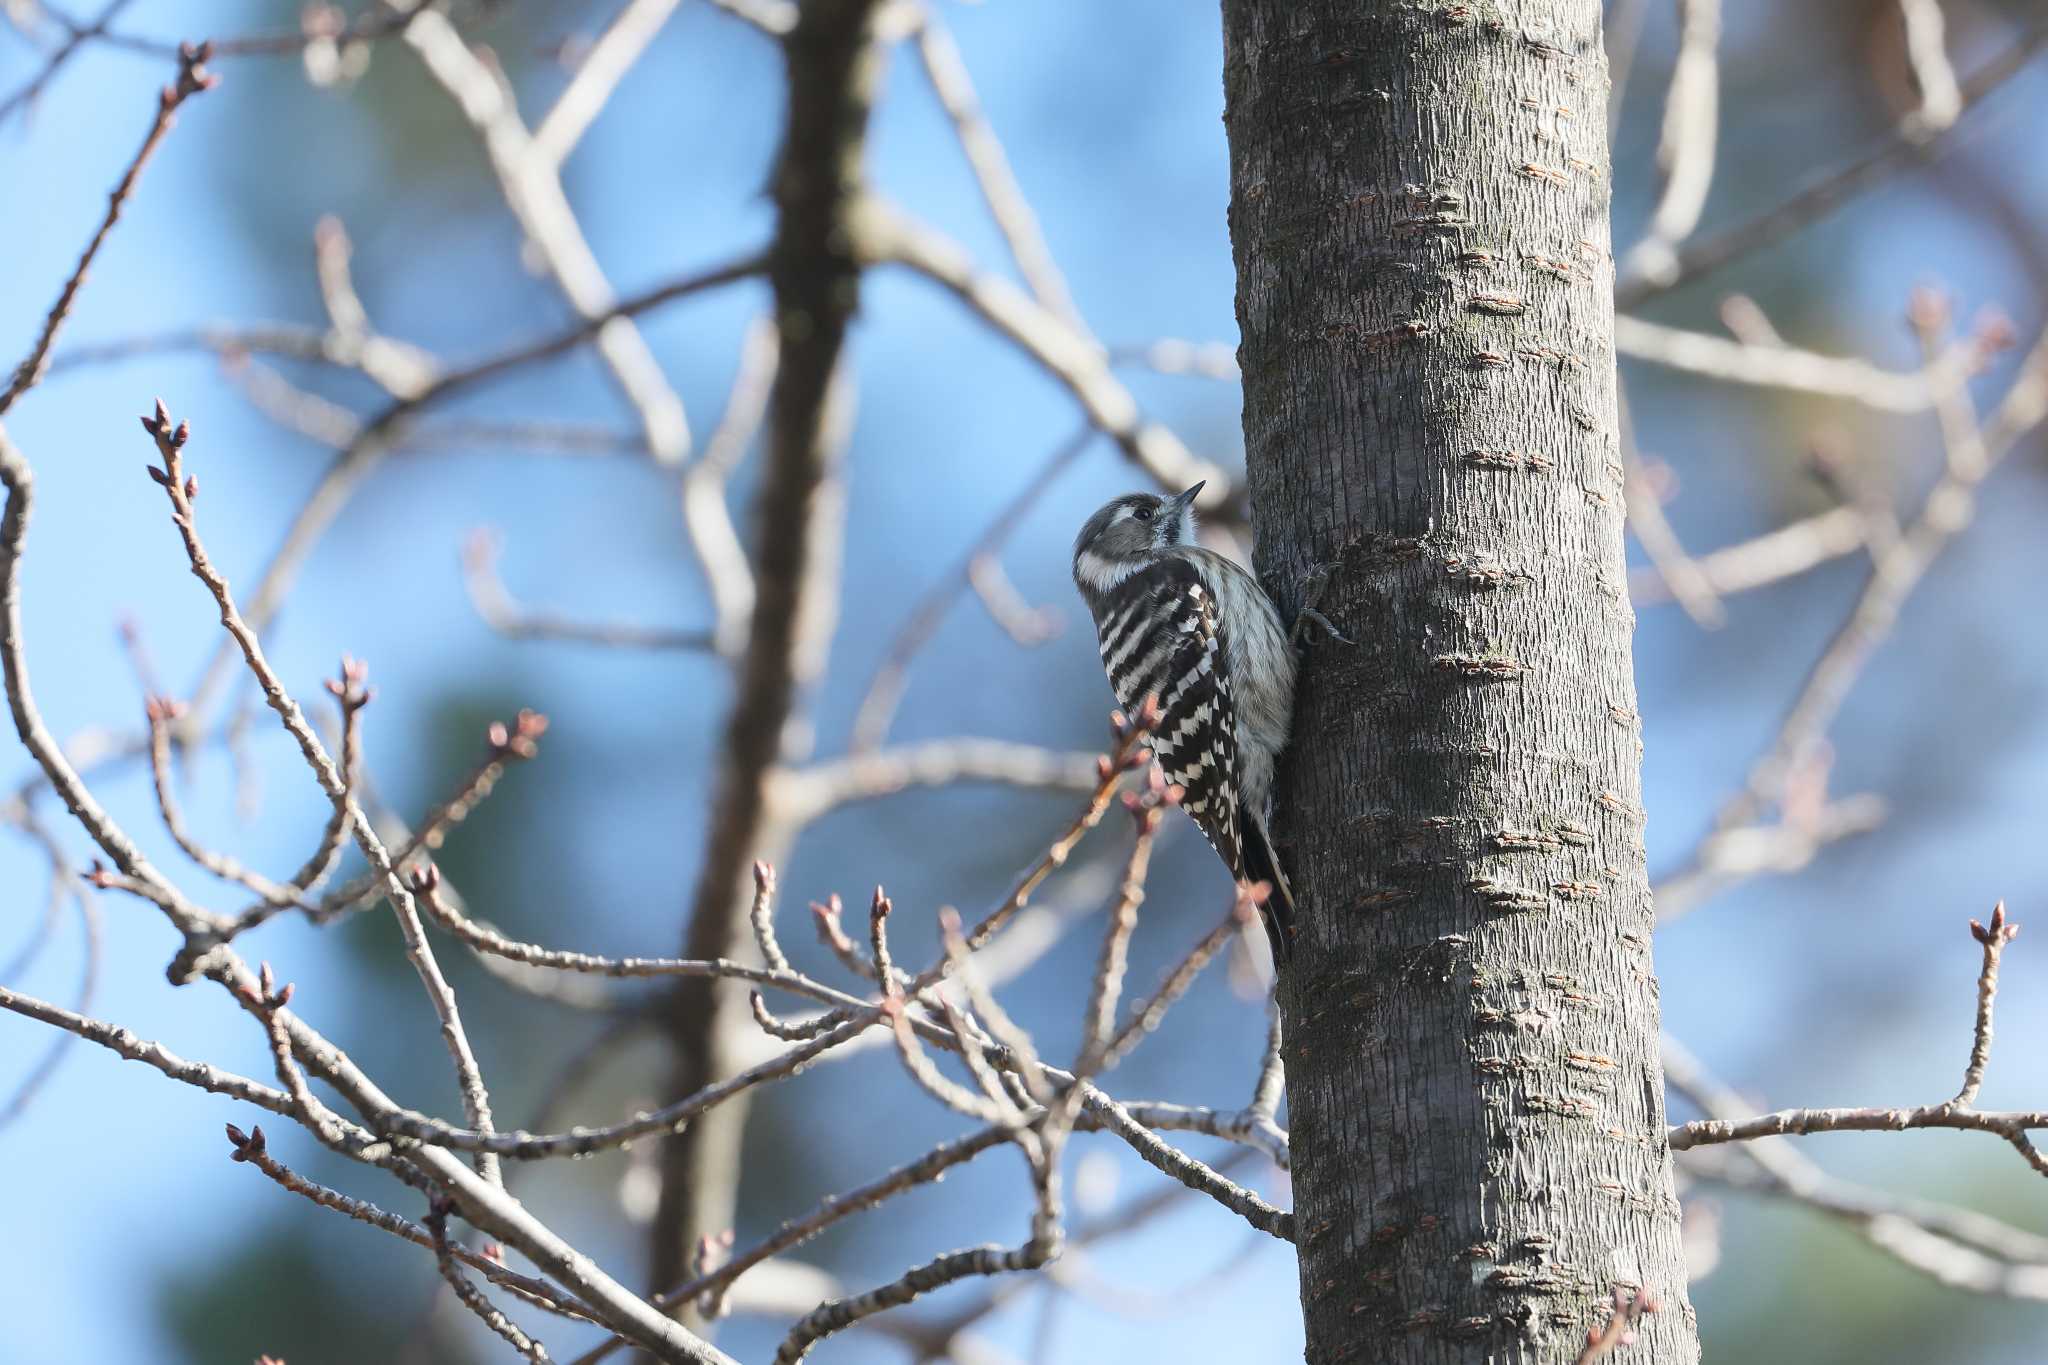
1419 217
834 66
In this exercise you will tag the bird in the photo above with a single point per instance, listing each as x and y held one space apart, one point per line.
1180 622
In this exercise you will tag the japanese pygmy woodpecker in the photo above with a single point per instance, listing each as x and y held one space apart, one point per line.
1186 624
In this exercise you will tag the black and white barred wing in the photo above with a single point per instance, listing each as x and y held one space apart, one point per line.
1160 636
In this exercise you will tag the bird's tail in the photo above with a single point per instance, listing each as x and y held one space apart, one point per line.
1261 864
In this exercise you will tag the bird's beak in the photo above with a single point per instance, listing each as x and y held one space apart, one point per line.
1180 502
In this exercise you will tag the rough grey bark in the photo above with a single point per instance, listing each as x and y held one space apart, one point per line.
1419 216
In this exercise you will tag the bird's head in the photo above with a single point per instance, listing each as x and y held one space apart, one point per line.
1128 532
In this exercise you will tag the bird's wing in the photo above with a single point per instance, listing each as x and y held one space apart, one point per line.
1167 642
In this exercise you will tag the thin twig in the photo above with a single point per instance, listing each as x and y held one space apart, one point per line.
1955 1246
706 516
192 79
504 615
1146 1018
1993 938
252 1149
88 987
473 1298
79 36
886 237
124 1043
885 690
947 72
1910 142
1956 1113
512 743
181 489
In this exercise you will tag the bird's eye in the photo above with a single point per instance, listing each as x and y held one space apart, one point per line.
1142 513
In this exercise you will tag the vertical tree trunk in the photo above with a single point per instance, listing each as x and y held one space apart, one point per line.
834 66
1419 215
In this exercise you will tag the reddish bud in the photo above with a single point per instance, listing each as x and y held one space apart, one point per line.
1927 308
158 475
1995 331
191 487
498 735
1999 932
1104 769
182 434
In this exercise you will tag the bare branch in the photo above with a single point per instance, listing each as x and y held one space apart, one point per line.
1956 1113
124 1043
947 73
473 1298
934 1274
713 538
495 605
191 920
181 490
1146 1018
621 44
884 236
1941 97
192 79
1772 557
532 185
1910 142
60 1046
886 688
1993 939
512 743
1954 1246
1972 453
79 37
1685 154
1789 368
161 712
1678 570
804 794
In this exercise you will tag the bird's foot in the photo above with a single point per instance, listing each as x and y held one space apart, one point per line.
1315 585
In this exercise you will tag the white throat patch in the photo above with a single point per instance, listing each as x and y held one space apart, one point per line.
1103 574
